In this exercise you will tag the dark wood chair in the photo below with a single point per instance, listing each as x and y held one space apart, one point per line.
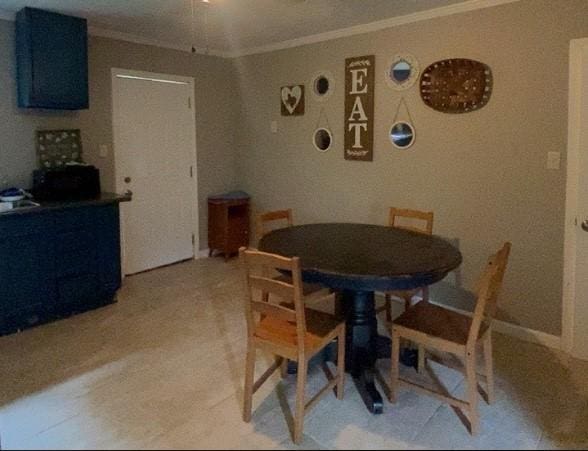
435 327
288 330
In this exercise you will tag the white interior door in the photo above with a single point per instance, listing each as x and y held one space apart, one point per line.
154 137
575 335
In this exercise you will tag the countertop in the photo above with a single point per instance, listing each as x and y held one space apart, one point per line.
103 199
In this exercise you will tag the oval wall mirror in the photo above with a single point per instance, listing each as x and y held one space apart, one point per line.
322 85
322 139
402 72
402 135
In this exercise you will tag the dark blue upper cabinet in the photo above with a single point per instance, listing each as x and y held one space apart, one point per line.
52 60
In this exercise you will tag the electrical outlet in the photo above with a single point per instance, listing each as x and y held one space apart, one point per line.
553 160
274 126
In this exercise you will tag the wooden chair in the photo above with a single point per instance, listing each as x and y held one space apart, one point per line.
316 292
288 330
407 295
435 327
269 217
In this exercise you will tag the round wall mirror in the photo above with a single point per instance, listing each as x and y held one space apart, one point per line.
402 135
322 85
322 139
402 72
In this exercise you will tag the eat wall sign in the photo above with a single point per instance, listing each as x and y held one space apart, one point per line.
359 108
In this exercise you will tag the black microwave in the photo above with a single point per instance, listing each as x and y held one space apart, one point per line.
69 183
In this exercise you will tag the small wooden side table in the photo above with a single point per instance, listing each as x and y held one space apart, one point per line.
228 223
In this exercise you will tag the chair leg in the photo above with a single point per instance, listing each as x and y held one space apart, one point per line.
341 364
426 294
395 366
422 359
300 400
489 360
284 368
388 306
249 376
407 303
472 381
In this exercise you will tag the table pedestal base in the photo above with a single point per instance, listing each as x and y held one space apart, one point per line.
364 346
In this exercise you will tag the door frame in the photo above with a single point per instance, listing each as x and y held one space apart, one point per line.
577 47
194 195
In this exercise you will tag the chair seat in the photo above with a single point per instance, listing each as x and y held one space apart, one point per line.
438 322
309 290
404 294
321 329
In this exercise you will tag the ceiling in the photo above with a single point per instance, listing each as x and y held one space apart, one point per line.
232 26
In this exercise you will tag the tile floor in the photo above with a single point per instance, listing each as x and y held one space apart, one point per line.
163 369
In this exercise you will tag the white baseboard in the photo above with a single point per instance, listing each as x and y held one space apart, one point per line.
202 254
519 332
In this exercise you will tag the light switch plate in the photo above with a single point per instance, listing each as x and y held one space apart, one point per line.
274 126
553 160
103 151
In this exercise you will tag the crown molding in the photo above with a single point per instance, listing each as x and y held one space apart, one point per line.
458 8
135 39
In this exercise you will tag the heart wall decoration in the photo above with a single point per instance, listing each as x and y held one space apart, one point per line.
292 100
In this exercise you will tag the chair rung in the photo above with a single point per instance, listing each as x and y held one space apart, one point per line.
330 386
448 399
460 368
271 370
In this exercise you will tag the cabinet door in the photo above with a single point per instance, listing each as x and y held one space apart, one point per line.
26 284
55 49
107 237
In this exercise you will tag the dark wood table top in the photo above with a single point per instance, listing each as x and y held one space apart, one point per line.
363 257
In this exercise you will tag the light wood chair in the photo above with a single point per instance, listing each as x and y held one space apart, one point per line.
316 292
435 327
407 295
271 216
288 330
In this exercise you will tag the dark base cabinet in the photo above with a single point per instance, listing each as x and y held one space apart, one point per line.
57 263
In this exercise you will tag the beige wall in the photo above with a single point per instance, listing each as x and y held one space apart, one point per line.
484 173
215 113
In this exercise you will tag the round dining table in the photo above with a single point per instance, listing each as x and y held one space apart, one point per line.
357 260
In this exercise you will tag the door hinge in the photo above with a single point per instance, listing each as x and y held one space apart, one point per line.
193 240
189 103
191 172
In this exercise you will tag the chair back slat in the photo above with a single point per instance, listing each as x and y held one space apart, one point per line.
275 311
257 268
272 216
257 259
488 291
404 213
280 289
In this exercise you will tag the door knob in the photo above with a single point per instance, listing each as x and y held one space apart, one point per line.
585 225
128 180
129 193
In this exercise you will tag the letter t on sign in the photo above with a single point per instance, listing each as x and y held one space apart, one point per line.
359 108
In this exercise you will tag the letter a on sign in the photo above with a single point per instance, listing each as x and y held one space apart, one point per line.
359 108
